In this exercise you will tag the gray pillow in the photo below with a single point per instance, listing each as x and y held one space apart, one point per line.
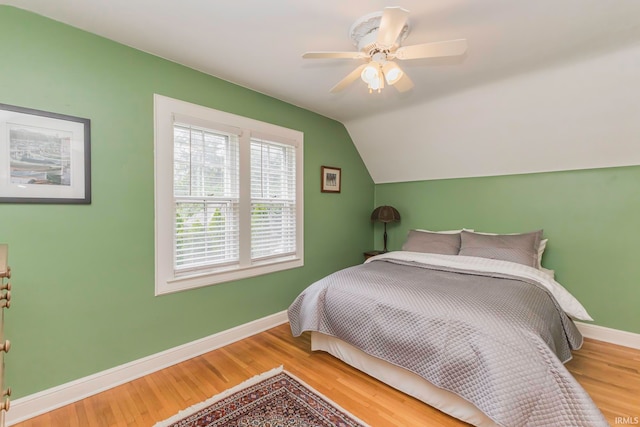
434 243
519 248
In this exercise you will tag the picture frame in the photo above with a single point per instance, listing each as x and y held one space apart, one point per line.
331 179
45 157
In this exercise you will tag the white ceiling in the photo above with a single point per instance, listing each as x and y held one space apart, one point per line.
545 85
258 44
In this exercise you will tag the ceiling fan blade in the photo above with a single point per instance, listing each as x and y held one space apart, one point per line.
391 24
338 55
404 84
351 77
432 50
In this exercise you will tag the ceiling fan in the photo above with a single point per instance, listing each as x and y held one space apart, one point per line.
378 37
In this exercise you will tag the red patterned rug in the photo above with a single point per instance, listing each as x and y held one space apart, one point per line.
273 399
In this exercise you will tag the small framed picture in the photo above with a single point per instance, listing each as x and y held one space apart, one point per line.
331 179
44 157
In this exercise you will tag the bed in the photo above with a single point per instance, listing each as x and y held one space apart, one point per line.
468 323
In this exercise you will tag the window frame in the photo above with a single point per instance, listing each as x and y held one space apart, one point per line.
166 112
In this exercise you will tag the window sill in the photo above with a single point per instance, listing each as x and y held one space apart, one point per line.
176 284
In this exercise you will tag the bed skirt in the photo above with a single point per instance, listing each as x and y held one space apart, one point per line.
402 379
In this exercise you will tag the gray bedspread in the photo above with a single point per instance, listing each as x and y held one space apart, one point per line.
497 341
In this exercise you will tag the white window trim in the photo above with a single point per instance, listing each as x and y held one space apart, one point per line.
165 109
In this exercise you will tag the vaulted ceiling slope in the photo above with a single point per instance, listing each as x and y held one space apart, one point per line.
259 45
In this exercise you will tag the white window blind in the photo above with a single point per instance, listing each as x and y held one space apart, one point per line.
206 194
273 199
228 196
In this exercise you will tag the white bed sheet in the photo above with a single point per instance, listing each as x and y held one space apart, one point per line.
401 379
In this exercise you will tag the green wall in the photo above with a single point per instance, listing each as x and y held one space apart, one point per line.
83 275
83 285
591 217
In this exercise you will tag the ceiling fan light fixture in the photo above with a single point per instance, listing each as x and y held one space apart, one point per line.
392 73
369 73
374 84
377 83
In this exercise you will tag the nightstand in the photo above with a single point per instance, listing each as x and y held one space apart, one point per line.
369 254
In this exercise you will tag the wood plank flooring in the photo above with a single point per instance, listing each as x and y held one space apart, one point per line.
610 373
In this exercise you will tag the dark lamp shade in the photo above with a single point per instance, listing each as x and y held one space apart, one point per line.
385 214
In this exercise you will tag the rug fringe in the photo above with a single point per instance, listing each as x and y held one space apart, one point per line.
199 406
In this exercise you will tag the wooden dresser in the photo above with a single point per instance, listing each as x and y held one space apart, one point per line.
5 302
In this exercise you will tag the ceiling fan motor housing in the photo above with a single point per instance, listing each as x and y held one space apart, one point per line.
364 33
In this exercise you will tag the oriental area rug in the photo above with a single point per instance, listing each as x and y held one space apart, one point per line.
273 399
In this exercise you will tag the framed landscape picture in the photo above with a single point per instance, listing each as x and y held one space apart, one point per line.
331 179
44 157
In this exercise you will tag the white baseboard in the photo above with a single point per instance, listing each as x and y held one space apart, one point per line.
613 336
56 397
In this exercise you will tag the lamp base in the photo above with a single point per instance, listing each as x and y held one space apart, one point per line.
385 239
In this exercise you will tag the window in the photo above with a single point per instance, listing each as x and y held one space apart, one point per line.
228 196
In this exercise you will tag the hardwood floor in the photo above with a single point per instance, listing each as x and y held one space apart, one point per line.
610 373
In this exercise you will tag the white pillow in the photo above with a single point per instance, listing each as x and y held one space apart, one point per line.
541 248
445 231
550 273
